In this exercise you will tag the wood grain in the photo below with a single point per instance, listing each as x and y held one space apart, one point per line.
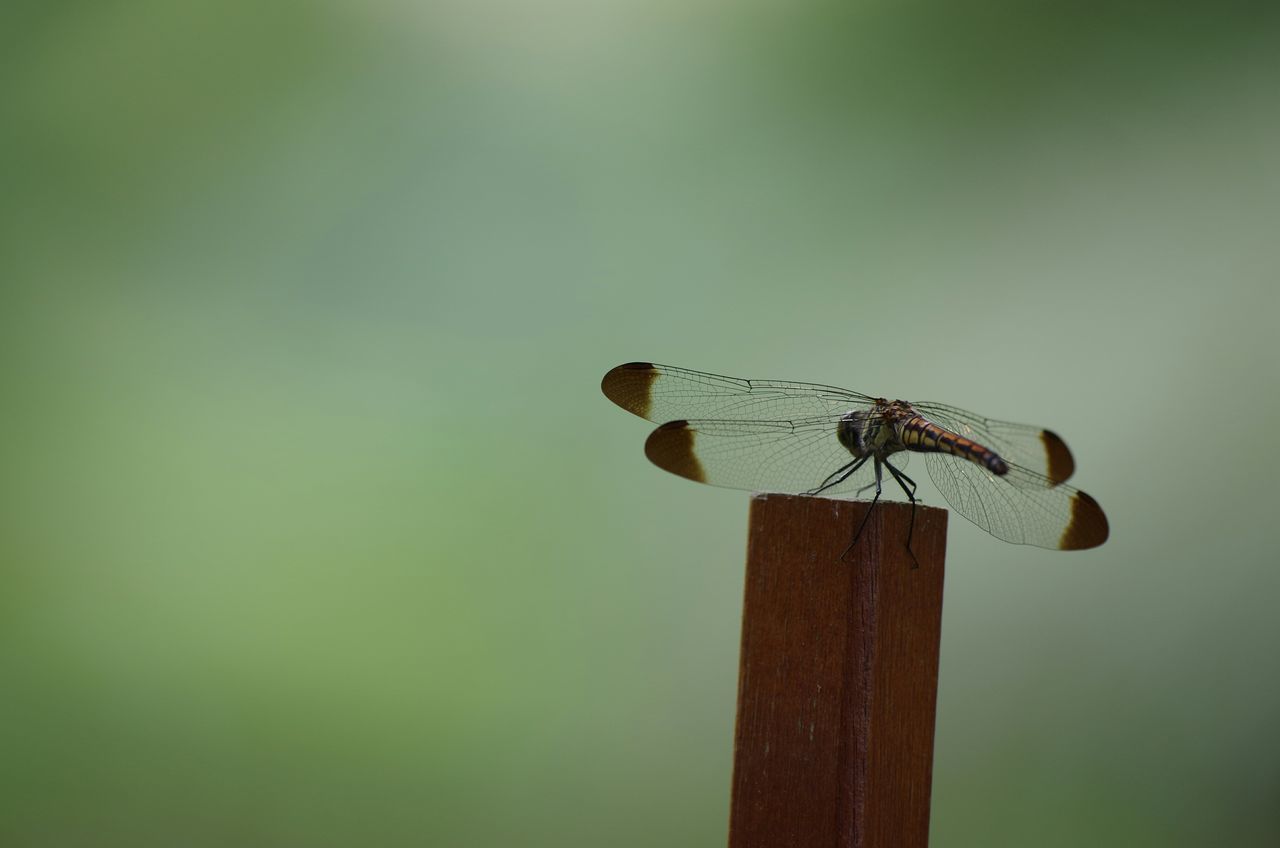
839 674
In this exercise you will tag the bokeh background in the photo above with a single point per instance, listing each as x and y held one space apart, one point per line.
316 530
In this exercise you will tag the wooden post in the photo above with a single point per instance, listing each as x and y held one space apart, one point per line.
839 676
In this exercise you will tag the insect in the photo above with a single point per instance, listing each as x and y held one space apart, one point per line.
806 438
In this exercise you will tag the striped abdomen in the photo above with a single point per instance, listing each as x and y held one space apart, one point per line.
920 434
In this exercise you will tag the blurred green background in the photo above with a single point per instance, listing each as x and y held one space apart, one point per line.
318 532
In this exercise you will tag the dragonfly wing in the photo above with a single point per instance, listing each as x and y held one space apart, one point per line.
665 393
796 457
1033 448
1020 507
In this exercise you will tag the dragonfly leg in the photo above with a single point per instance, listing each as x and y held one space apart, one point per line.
903 481
870 485
838 476
858 534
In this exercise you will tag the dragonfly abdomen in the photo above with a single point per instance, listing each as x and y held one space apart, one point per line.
922 435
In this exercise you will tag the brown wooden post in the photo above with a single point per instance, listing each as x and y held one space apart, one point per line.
839 676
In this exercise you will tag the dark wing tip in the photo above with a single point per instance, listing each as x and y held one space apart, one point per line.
1060 463
1088 527
628 386
670 447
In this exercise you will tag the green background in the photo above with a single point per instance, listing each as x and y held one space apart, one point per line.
316 530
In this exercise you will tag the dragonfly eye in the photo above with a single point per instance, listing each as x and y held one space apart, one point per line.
852 432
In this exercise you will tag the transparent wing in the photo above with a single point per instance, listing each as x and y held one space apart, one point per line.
1035 449
1022 506
774 456
663 393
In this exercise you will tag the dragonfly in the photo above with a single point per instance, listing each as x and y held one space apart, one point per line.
813 439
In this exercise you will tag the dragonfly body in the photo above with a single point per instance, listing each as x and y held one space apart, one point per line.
808 438
893 426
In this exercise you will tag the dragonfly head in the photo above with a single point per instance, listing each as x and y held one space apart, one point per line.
854 432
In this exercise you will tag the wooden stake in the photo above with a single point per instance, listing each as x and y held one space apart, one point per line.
839 676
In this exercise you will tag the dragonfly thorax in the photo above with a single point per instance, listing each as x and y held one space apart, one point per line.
874 431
